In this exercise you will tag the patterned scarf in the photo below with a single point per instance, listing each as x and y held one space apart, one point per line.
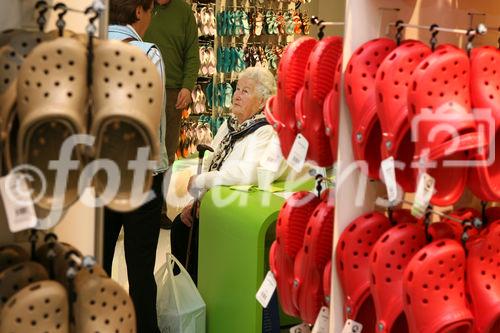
236 133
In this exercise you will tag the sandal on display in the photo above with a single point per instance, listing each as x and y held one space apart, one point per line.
259 21
331 111
388 259
482 283
310 262
306 24
290 230
485 94
391 88
38 307
352 259
309 102
127 101
298 24
434 289
212 24
19 276
440 95
12 254
52 106
359 87
280 109
105 301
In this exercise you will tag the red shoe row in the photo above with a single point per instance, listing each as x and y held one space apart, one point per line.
416 105
307 97
395 280
300 254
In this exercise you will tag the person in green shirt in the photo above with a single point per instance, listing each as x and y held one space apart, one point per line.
173 29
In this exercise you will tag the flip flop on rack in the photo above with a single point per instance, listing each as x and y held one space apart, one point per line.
127 101
359 87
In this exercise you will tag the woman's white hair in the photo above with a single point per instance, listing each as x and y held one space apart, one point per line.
264 79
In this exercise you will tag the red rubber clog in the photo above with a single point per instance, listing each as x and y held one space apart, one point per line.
331 111
327 282
290 229
484 181
483 279
441 120
308 294
309 102
389 257
353 267
360 97
434 290
391 86
280 109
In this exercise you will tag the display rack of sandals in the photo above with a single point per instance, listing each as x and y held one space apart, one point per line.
47 285
250 33
197 122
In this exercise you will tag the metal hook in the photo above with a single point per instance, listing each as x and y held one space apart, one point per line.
42 8
60 23
399 33
316 21
434 33
470 38
499 38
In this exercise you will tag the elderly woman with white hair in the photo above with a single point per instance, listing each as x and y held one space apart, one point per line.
241 144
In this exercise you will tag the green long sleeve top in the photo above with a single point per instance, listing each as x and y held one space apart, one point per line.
173 29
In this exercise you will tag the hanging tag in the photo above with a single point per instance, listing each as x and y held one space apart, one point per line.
273 158
389 173
266 290
322 321
425 190
352 327
298 153
302 328
18 204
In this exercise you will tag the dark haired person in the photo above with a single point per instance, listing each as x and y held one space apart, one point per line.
129 20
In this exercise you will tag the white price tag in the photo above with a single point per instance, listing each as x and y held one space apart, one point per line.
425 190
302 328
266 290
352 327
298 153
322 321
18 204
389 173
273 157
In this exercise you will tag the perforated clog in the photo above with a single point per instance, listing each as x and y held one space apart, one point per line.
353 267
484 179
309 267
331 111
327 282
359 89
483 282
388 259
128 97
309 102
290 229
442 122
39 307
391 87
434 289
280 109
52 106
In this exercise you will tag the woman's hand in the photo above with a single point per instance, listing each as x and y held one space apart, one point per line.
192 189
187 215
183 99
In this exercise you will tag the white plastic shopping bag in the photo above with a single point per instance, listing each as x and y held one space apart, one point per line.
179 304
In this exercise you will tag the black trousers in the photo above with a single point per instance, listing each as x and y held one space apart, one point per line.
179 237
141 231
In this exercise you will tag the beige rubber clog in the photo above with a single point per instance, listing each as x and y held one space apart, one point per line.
102 305
52 104
19 276
128 95
41 307
12 254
